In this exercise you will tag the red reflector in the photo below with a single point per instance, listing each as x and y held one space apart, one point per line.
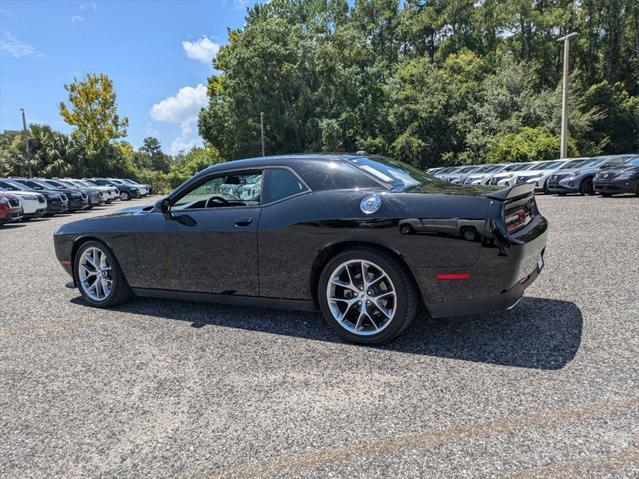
453 276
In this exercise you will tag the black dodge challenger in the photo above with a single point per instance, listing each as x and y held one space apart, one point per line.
366 240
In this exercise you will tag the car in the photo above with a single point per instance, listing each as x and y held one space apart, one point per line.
442 171
450 174
321 231
10 208
56 202
147 187
507 176
76 199
581 179
126 191
477 176
108 193
142 191
459 175
34 205
95 196
538 174
617 179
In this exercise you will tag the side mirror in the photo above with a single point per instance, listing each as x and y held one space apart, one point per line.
165 208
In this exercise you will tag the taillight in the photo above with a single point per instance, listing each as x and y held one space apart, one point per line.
515 219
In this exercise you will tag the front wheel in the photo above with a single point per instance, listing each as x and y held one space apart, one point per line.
99 277
367 296
587 187
125 195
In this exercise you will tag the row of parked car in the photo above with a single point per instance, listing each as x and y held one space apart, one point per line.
606 175
24 198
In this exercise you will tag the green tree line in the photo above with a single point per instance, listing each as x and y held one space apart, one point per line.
427 81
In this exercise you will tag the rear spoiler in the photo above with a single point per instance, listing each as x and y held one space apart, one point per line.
512 192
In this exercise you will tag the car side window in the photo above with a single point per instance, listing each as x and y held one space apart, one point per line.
281 183
233 189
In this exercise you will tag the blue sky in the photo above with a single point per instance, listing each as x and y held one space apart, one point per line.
158 54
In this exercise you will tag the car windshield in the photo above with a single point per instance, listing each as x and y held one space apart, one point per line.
521 166
575 164
395 175
490 169
55 184
632 162
550 166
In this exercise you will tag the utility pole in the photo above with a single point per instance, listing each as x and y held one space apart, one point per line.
564 96
26 142
262 128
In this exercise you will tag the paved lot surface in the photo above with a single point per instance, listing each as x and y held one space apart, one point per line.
173 389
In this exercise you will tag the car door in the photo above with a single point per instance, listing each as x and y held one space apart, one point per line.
213 236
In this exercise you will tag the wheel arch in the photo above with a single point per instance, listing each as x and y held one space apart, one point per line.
330 250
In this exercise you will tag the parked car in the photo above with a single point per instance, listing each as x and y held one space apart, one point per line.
56 202
109 193
538 174
442 171
114 190
325 232
77 199
507 176
34 205
581 179
125 190
623 178
142 191
96 197
147 187
476 177
460 175
451 173
10 208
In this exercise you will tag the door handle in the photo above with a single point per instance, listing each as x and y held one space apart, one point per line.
243 221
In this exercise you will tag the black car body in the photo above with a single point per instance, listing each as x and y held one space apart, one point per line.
265 230
619 179
57 202
149 188
76 199
126 191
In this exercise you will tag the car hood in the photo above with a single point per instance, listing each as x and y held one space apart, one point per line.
619 170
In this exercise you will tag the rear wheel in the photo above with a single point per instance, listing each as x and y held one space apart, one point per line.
367 296
587 188
99 277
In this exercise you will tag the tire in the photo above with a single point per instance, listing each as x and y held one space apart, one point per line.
469 233
587 187
376 327
125 195
546 191
406 229
119 291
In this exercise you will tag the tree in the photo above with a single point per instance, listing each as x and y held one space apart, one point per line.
92 111
151 156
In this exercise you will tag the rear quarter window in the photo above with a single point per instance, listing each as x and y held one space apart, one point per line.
333 175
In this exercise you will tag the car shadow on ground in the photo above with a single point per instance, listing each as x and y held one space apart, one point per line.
537 333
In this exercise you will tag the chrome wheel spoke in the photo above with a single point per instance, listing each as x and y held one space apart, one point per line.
361 297
94 272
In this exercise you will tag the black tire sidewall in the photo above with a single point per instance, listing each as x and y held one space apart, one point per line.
117 276
403 287
125 196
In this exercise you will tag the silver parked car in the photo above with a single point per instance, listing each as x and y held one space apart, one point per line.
580 178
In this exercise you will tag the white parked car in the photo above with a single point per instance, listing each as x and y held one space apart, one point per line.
539 173
34 205
476 177
507 176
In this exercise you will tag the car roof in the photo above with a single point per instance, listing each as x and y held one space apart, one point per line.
283 160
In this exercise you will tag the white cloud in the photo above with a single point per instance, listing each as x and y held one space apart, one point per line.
202 50
93 6
182 109
77 19
14 47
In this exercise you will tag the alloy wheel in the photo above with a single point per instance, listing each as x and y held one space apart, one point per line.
361 297
95 274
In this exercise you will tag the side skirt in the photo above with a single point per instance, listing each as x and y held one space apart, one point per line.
255 301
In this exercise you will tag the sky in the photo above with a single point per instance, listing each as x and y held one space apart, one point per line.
157 52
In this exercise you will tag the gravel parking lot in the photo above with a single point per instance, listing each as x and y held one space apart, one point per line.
158 388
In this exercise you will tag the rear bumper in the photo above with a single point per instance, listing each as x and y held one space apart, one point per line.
505 300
